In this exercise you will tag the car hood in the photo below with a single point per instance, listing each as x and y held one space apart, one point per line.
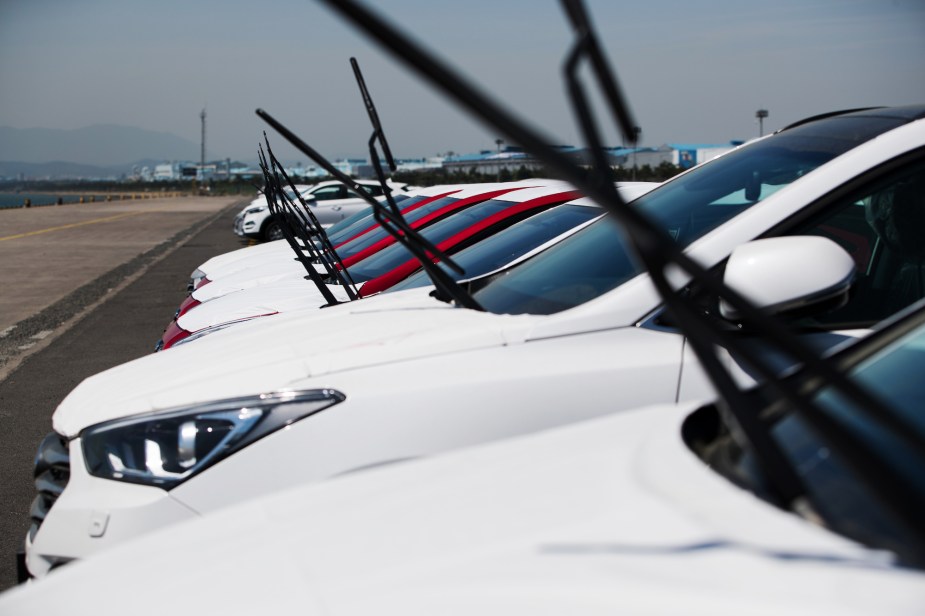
614 515
274 297
278 353
237 259
270 267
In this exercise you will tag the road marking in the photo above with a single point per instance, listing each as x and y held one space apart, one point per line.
76 224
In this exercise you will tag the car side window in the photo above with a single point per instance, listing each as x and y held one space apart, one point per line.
881 226
373 189
330 192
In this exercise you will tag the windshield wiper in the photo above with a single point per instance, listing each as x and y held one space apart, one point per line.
307 228
447 286
395 225
664 258
274 194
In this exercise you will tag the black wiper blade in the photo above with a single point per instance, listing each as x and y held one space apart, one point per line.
446 285
307 228
655 249
272 192
394 225
658 252
378 133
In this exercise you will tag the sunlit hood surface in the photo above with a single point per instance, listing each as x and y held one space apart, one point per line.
268 268
279 296
270 354
610 516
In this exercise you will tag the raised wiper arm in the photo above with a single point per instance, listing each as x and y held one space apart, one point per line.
307 221
448 287
273 192
397 227
378 133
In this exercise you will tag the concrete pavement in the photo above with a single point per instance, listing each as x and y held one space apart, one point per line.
111 327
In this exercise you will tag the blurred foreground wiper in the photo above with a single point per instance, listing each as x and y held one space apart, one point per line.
665 260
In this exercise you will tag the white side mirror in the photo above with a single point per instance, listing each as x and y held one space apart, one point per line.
787 273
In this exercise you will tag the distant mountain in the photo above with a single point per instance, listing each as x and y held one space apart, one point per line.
59 169
98 145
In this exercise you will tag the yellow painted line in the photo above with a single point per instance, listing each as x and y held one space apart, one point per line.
76 224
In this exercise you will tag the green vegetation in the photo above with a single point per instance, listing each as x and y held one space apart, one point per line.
431 177
420 177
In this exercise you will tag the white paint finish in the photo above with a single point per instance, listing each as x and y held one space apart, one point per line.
607 516
784 273
366 352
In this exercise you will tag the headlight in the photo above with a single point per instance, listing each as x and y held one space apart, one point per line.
256 210
166 448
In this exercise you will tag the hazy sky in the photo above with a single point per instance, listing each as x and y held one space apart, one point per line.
693 71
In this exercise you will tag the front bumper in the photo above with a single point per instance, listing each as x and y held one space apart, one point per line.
88 513
248 226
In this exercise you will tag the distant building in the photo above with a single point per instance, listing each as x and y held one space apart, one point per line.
367 171
166 172
492 162
512 158
488 162
686 155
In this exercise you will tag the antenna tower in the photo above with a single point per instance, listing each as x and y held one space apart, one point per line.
202 153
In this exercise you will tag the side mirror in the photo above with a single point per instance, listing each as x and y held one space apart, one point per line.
789 274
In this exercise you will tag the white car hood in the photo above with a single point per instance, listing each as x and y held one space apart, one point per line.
269 268
266 355
609 516
279 296
236 259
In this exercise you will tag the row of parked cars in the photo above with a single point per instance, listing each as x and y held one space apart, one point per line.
324 431
331 202
557 470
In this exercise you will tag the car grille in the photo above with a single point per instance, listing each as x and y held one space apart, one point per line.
239 225
52 471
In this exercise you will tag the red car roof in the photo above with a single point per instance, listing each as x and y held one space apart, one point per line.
380 283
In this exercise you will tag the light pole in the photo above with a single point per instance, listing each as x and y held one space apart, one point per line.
636 131
202 152
761 114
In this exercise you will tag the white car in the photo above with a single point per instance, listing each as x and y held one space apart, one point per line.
649 511
256 265
573 333
383 270
330 202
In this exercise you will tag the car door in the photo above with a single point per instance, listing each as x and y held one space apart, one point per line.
337 202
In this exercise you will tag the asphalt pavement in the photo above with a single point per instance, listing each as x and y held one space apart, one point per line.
117 322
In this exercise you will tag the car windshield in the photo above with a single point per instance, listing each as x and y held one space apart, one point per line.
362 215
366 240
504 247
598 258
834 482
396 254
362 220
